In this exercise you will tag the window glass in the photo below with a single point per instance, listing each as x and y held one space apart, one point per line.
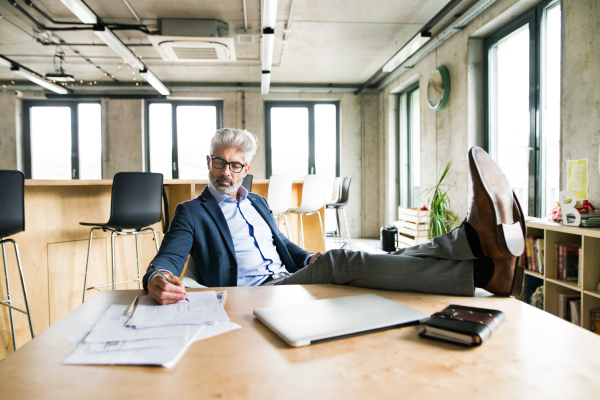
50 141
160 130
403 150
196 125
509 109
415 147
289 141
90 141
550 101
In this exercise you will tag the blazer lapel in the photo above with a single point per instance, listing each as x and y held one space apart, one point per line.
213 209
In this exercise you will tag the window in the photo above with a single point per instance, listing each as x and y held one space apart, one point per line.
178 136
409 150
62 140
302 138
523 105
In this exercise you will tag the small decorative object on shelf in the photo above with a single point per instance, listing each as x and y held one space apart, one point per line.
584 211
413 225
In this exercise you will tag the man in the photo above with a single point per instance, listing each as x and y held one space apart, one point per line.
234 240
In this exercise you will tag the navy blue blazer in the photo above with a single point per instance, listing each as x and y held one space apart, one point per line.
199 228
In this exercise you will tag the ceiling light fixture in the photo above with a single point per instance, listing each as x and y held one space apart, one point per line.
81 10
265 82
269 13
266 56
5 62
39 80
155 82
108 37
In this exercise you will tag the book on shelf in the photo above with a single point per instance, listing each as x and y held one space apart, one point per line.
564 306
533 254
575 306
595 320
567 262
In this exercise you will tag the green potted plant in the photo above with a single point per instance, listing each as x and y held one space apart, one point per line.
441 219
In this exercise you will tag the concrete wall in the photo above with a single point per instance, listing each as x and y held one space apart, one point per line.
580 90
447 135
123 140
8 130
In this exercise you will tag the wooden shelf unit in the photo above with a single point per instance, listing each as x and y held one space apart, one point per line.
589 238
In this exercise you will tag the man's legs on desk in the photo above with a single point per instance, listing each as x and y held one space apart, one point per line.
444 265
481 253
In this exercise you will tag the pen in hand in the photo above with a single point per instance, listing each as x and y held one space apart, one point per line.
165 278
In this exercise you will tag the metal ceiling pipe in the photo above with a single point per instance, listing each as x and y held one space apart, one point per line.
245 16
132 11
192 88
434 43
287 32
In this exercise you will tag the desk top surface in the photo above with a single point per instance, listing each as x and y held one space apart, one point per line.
532 354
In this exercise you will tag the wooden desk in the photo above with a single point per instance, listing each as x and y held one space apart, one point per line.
54 247
532 355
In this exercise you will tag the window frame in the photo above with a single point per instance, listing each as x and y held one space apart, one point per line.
408 184
72 104
218 104
311 132
534 17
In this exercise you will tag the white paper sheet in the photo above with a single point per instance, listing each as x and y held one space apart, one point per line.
203 307
111 328
162 346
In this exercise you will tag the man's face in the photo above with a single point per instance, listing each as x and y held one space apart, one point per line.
224 179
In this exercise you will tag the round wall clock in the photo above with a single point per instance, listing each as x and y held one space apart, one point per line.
438 88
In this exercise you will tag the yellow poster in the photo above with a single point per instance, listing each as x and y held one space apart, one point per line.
577 178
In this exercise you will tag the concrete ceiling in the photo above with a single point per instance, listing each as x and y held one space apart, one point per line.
330 42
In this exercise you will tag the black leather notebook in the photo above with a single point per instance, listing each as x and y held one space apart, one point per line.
468 326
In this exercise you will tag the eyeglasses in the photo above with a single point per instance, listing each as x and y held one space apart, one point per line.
219 163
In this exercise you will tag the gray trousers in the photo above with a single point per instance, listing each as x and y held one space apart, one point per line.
445 266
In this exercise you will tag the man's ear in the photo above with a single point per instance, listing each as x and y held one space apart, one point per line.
247 169
208 162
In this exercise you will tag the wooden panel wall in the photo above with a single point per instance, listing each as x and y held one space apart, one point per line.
53 248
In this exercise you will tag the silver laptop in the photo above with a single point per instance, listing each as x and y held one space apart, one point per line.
303 324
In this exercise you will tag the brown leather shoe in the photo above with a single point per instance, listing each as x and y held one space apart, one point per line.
491 212
507 279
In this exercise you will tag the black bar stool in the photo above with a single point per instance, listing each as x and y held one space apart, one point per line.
12 220
339 206
135 205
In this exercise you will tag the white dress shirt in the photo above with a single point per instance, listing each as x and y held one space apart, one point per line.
255 250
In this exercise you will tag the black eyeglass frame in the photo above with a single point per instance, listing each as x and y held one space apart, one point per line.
212 159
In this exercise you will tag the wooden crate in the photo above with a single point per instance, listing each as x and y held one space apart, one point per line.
413 225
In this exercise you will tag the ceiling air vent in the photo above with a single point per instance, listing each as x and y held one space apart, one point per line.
194 49
246 39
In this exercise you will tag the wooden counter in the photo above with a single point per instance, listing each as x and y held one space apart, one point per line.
532 355
54 246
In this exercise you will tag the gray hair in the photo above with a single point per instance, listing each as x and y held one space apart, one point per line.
236 138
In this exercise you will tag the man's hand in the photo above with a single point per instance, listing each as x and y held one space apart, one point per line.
164 292
314 258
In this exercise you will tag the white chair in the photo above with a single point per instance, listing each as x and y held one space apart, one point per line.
337 190
313 199
279 197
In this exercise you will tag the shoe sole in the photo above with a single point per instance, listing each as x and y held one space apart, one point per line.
508 233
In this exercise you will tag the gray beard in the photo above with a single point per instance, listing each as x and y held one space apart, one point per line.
233 185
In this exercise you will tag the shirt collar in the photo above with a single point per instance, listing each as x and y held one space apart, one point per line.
220 197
